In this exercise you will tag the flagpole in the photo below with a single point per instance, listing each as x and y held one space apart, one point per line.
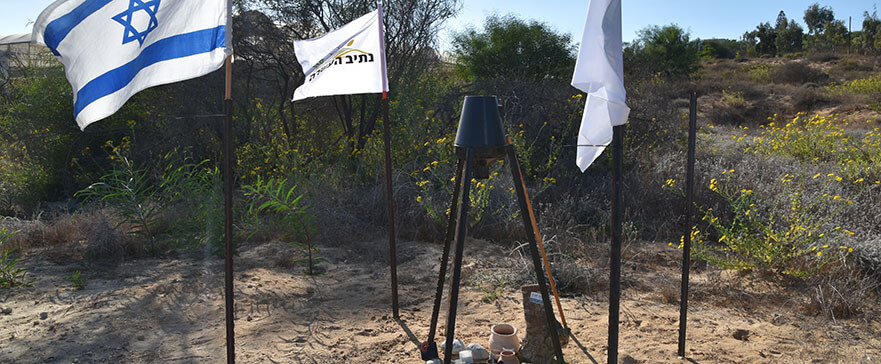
389 193
228 230
390 200
615 256
228 197
689 211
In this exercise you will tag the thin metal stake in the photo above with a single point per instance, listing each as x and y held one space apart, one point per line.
615 256
689 211
461 231
445 258
390 199
228 218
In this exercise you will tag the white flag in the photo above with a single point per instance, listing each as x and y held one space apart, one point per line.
349 60
599 72
112 49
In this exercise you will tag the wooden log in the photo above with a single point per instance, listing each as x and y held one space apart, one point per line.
537 343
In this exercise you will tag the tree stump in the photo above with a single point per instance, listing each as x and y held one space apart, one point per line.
537 344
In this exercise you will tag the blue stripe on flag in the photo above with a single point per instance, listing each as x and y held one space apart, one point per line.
59 28
177 46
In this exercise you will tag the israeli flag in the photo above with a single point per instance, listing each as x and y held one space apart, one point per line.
112 49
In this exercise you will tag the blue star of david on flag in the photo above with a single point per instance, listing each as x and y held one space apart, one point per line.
125 18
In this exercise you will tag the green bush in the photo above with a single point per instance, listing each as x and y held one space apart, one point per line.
44 156
863 86
761 73
666 50
511 48
733 99
824 139
791 240
718 48
142 196
11 272
274 206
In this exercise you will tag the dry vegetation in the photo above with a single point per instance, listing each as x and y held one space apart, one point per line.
738 101
787 259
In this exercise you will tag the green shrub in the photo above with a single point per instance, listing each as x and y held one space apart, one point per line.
718 48
133 194
78 280
791 240
44 156
511 48
273 205
761 73
666 49
734 99
141 197
862 86
11 272
827 139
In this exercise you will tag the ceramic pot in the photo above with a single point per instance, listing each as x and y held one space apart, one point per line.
507 356
504 336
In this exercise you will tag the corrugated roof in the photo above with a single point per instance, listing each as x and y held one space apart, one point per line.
15 38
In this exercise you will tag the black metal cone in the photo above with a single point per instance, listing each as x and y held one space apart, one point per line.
480 125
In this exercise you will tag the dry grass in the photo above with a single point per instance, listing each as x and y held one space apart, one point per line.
92 234
844 292
806 99
799 73
823 57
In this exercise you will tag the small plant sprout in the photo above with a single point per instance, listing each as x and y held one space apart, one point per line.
78 280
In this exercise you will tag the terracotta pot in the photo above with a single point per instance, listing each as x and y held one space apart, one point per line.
507 356
504 336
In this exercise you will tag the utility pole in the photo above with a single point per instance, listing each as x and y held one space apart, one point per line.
849 32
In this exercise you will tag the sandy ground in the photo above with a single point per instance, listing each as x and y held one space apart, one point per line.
170 310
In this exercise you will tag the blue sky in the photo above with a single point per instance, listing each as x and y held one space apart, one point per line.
703 18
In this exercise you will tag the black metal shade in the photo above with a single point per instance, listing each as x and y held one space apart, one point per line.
481 131
480 125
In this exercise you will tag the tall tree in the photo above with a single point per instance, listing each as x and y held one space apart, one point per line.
833 37
789 38
816 18
782 21
871 34
764 37
511 48
666 49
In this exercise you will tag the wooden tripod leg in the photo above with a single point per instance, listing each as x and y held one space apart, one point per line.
525 211
518 179
445 259
461 230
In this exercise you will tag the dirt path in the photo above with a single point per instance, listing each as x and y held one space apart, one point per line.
171 311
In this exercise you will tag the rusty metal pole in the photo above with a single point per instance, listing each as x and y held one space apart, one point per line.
615 256
461 231
689 212
445 258
390 201
228 155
